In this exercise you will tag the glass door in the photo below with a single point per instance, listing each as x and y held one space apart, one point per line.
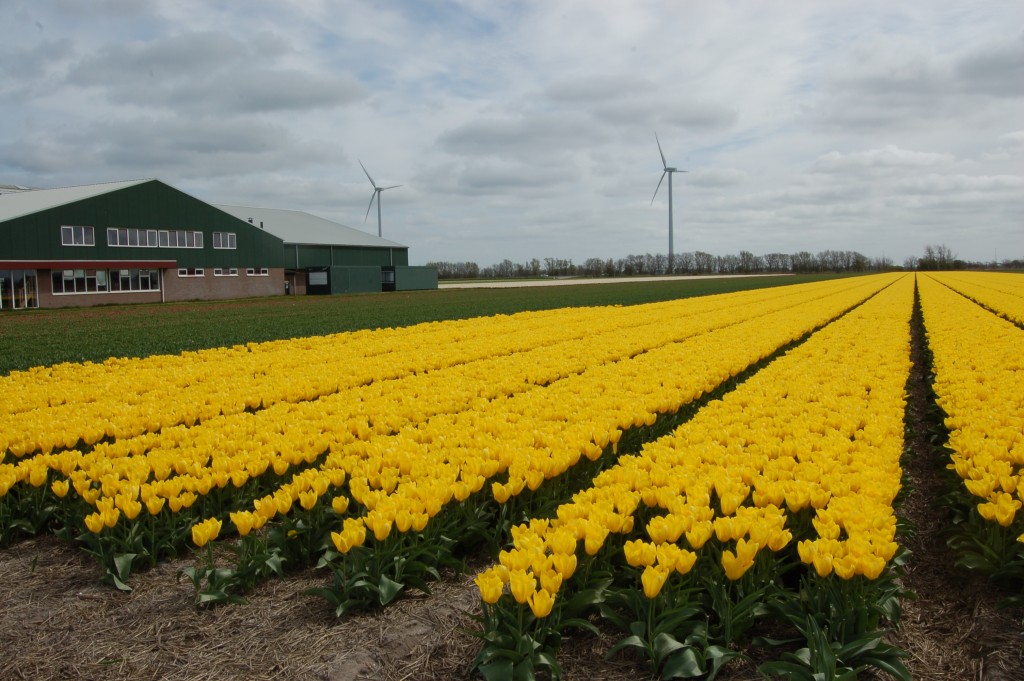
18 289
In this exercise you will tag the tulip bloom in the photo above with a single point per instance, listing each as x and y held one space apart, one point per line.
490 584
205 531
737 564
653 579
541 603
522 584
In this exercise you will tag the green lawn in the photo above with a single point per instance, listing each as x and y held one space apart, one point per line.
43 337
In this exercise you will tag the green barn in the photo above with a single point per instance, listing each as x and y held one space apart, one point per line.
145 241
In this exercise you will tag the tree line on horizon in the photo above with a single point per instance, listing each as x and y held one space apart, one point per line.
698 262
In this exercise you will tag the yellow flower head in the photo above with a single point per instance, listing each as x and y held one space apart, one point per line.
243 522
653 579
541 603
490 584
640 553
522 584
205 531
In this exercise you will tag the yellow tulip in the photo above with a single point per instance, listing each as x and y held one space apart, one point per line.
685 561
594 540
736 564
564 564
639 553
94 522
340 504
307 500
211 530
541 603
155 504
653 579
243 522
521 584
490 584
500 492
60 487
562 541
550 579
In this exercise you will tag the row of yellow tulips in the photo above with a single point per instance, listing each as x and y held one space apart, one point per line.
539 434
59 407
436 425
819 428
979 383
1001 292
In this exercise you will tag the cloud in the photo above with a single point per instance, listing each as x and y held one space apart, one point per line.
210 72
995 68
889 157
887 81
961 187
716 177
527 129
521 136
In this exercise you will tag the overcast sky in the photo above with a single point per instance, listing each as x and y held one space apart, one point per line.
527 129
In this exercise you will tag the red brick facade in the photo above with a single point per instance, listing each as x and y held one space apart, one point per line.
173 288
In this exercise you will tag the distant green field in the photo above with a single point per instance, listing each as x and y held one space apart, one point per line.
42 337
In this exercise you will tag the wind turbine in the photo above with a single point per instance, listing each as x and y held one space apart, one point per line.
376 195
667 171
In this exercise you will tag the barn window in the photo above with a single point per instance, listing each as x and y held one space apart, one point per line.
77 235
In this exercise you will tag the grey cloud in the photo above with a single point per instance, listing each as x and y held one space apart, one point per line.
522 136
499 177
716 177
28 66
996 69
964 185
594 89
625 99
885 84
211 72
168 147
889 157
179 57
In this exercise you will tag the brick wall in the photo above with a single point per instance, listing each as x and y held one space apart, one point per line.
210 287
207 287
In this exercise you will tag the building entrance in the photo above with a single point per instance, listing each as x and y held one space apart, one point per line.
19 289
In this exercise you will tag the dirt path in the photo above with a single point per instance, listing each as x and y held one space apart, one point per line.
953 629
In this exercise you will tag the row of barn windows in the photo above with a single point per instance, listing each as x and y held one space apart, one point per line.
103 281
107 281
223 272
81 235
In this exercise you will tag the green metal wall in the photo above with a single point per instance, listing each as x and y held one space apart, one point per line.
301 257
415 278
355 280
150 205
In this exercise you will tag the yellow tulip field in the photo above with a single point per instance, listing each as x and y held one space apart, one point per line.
686 472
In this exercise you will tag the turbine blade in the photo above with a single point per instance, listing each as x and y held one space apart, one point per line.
658 187
394 186
367 174
372 197
664 163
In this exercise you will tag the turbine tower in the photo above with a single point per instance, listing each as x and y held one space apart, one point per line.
667 171
376 195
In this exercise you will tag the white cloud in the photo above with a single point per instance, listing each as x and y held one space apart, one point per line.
889 157
526 129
